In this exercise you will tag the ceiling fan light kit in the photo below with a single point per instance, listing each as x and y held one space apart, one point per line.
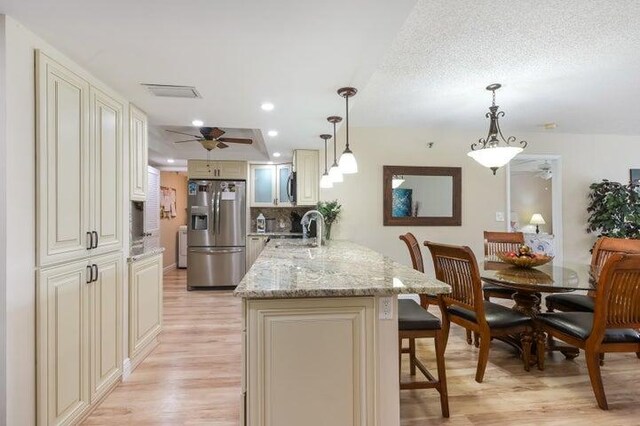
347 162
325 180
495 151
211 138
334 172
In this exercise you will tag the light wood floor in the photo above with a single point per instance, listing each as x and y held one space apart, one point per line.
193 377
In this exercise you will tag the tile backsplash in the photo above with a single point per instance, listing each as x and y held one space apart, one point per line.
282 216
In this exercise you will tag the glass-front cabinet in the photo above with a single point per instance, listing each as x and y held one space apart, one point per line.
271 185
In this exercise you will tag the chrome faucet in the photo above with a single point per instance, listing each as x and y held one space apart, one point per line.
306 220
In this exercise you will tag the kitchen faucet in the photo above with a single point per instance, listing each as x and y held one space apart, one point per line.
306 220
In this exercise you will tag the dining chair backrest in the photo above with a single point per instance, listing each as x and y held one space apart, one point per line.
495 242
617 302
414 251
605 247
457 266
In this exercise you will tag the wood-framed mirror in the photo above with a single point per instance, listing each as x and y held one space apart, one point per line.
422 196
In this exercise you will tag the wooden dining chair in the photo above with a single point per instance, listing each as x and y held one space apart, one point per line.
465 306
496 242
414 322
604 248
614 324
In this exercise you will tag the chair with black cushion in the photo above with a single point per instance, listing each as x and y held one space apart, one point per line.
496 242
415 322
465 306
614 324
604 248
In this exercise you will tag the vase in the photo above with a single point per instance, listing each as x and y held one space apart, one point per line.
327 231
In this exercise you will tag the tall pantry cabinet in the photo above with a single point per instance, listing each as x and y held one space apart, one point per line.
80 132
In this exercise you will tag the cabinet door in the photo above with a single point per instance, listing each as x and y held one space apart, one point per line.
283 171
256 244
106 146
62 162
138 147
152 206
232 170
106 325
263 185
145 303
307 177
63 343
202 169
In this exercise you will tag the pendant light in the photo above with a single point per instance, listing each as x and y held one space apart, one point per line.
347 163
493 152
334 172
325 180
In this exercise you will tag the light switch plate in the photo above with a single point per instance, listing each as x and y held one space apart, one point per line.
385 311
499 216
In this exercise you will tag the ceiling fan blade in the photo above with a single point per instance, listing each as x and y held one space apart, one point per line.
236 140
189 140
211 132
182 133
222 145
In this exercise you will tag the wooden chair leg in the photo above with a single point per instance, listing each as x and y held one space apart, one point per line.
469 337
593 365
446 325
400 359
638 354
601 359
442 374
526 339
412 356
541 349
486 296
483 356
476 339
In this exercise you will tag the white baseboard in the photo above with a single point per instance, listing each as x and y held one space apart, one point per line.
126 368
170 268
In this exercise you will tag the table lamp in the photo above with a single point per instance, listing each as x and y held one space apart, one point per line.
537 220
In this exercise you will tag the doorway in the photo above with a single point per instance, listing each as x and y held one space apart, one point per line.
534 201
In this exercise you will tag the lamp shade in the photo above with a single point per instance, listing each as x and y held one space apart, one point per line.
335 174
325 181
495 157
537 219
348 164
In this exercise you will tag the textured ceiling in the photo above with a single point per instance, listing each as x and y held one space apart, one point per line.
572 62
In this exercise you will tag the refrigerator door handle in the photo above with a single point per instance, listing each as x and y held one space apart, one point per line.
213 203
214 250
218 212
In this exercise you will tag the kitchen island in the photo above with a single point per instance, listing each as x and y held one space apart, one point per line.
320 334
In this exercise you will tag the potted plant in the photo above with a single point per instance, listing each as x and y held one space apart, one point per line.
614 209
331 211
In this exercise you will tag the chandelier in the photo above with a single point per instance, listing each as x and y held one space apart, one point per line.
492 152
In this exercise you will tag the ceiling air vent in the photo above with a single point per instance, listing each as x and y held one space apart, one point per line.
171 91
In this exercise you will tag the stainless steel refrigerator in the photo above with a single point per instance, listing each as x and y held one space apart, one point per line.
216 233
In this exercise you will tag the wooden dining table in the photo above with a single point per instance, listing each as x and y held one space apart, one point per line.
530 283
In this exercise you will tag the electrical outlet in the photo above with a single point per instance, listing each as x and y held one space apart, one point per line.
386 308
499 216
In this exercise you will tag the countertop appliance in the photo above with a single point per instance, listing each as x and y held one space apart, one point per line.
216 233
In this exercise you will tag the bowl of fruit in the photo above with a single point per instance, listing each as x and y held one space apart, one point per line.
524 257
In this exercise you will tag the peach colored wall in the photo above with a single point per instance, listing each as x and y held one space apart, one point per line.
169 227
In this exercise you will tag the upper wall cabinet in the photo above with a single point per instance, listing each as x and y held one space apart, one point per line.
271 185
305 164
138 148
203 169
79 166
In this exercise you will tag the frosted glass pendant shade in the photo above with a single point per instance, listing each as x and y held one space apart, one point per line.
348 164
495 157
325 181
335 174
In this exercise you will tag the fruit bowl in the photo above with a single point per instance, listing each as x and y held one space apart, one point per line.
525 261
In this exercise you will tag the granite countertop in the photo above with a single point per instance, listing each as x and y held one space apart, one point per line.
144 248
341 268
275 234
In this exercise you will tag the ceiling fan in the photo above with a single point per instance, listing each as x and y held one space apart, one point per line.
544 171
211 137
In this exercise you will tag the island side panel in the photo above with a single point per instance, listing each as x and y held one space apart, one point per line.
312 362
388 380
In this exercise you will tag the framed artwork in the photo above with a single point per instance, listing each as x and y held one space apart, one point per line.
634 176
167 203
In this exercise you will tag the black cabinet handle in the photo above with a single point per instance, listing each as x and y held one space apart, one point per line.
95 244
89 278
94 268
89 240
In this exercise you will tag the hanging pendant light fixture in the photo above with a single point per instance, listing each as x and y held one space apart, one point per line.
334 172
325 180
490 152
347 163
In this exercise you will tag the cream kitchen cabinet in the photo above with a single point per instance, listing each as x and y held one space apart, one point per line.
306 166
138 153
254 248
270 185
145 306
79 356
79 166
203 169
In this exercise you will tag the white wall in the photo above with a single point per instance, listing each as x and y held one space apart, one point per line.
3 227
585 159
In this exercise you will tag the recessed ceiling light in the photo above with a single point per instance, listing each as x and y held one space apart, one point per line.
267 106
272 133
550 126
276 154
170 160
197 123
